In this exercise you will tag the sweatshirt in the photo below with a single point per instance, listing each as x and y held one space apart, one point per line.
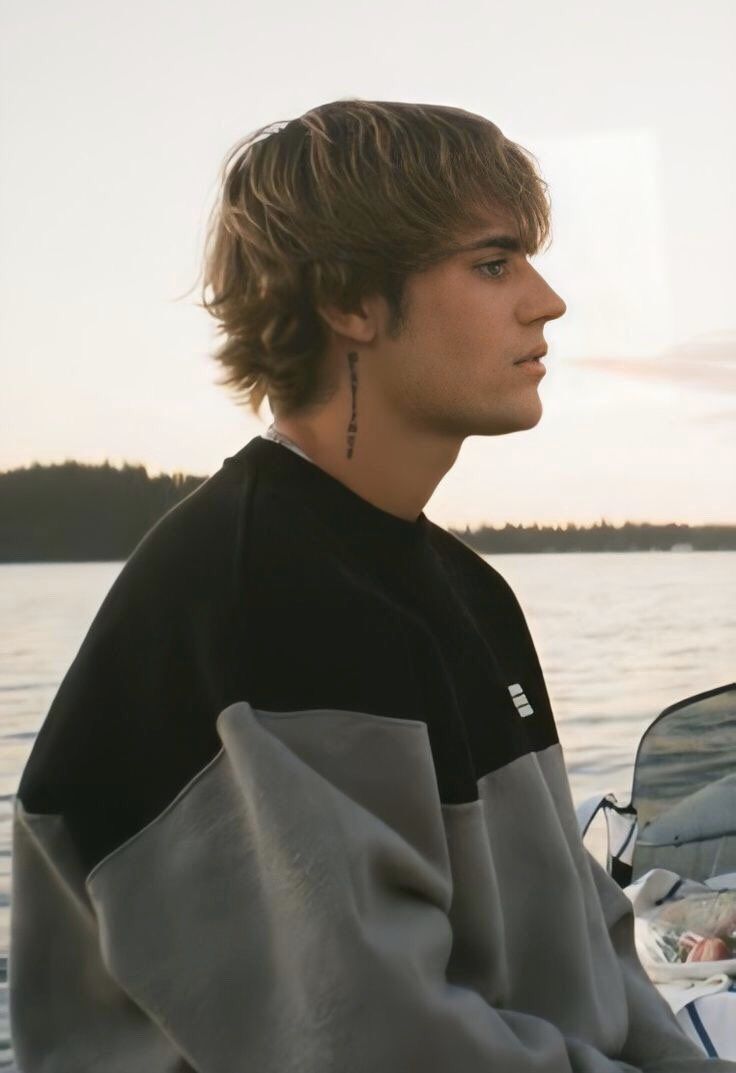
299 805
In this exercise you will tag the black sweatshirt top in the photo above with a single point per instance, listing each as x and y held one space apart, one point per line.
299 803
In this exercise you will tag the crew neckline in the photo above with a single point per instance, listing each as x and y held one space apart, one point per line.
311 483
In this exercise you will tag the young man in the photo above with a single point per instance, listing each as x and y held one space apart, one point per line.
299 803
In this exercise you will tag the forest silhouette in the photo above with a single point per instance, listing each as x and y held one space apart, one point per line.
75 512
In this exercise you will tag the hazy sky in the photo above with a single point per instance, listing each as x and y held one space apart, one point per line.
114 120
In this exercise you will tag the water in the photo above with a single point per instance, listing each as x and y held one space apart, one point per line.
619 637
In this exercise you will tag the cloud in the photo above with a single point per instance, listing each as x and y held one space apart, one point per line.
705 361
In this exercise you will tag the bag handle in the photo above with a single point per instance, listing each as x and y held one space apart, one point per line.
621 828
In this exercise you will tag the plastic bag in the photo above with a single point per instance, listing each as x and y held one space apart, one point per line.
683 929
696 927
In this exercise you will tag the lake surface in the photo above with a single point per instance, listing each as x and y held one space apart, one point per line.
619 637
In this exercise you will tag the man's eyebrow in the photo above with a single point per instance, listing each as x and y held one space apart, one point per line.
500 242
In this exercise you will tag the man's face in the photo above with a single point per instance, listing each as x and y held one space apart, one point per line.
468 319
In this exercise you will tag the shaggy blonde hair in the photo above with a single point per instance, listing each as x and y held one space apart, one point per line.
343 202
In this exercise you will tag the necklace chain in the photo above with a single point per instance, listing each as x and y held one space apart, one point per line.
272 433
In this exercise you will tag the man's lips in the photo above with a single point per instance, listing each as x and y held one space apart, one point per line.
535 354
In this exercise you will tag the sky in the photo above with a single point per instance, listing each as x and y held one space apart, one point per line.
114 120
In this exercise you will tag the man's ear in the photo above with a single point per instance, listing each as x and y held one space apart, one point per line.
359 325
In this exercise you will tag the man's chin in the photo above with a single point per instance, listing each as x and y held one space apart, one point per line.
518 422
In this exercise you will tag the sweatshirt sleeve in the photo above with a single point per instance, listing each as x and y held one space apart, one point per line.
278 917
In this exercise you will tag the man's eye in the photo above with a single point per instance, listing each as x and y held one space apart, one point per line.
492 264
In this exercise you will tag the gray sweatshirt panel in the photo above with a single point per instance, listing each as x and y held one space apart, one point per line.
306 904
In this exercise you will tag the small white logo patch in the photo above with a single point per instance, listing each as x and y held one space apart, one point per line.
522 704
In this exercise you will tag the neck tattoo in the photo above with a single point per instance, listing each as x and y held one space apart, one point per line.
353 426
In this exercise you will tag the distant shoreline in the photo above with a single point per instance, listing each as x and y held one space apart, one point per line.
75 513
569 551
601 537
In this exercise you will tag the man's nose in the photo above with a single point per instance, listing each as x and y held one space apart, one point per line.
541 302
557 305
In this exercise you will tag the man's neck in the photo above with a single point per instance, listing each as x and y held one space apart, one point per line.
371 469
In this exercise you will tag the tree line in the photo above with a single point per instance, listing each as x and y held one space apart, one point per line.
632 536
75 512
